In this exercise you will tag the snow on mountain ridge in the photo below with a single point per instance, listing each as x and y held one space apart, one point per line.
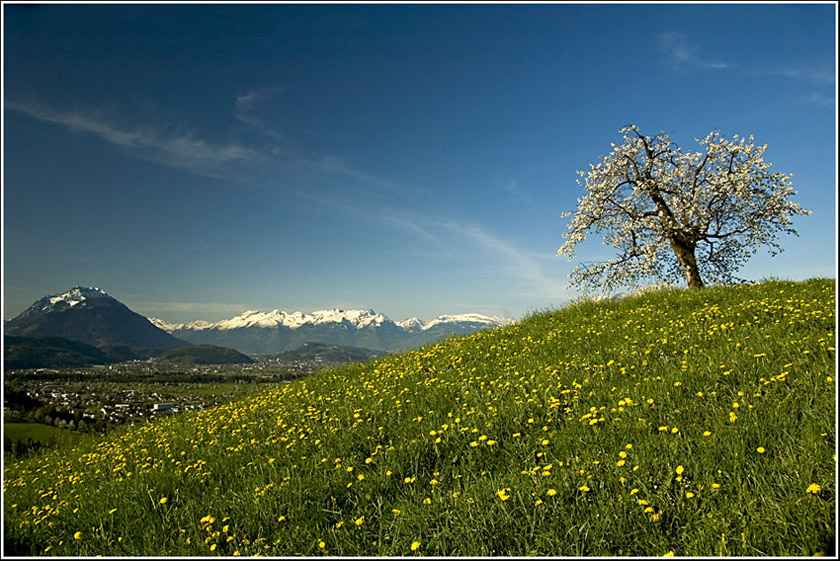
411 324
252 318
165 325
170 327
358 318
466 318
76 295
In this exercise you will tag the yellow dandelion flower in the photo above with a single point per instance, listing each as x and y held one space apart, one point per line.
360 521
670 554
78 535
583 488
415 546
213 547
620 463
688 494
321 544
396 510
163 500
680 469
502 495
427 501
760 450
813 488
551 492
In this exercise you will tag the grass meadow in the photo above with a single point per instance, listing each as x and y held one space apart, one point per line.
687 423
46 435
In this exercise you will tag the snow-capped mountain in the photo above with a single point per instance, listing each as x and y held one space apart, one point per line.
466 319
412 325
89 315
267 333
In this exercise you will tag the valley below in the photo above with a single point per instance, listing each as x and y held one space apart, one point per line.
94 400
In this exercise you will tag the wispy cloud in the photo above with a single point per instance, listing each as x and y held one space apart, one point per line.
176 145
514 262
814 75
681 54
515 188
247 105
821 99
178 149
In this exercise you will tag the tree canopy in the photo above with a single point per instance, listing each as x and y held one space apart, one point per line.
672 214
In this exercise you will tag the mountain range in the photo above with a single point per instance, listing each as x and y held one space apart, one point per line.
90 316
259 333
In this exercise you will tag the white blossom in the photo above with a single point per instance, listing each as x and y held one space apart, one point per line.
672 214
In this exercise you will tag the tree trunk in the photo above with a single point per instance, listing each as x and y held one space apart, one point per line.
682 245
686 259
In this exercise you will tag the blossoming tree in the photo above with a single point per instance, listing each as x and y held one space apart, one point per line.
674 214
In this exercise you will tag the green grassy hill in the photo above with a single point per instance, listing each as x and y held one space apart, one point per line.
678 423
22 431
329 353
204 354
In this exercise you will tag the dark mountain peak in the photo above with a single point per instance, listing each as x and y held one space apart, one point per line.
89 315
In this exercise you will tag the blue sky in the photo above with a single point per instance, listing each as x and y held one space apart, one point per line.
197 161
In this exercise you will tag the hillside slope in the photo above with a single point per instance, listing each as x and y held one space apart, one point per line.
204 354
684 423
48 352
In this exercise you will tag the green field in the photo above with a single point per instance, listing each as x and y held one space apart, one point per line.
46 435
689 423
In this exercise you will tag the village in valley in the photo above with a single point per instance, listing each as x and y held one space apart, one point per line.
98 399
